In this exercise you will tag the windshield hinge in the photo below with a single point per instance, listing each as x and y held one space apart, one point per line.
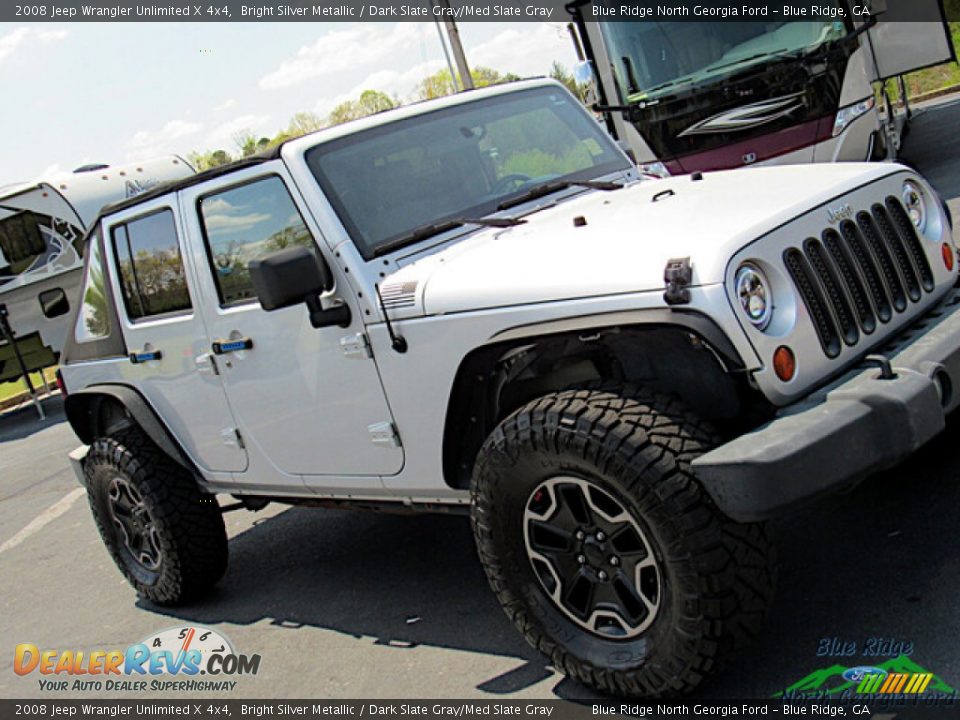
677 275
384 434
356 346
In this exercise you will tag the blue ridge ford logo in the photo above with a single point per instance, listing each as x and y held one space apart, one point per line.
856 674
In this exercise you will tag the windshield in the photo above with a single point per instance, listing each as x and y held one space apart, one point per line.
654 58
463 161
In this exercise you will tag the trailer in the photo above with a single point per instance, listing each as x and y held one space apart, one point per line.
697 95
42 225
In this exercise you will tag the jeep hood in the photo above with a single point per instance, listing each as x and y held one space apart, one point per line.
607 243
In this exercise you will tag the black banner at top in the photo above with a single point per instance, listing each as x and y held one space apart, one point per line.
477 10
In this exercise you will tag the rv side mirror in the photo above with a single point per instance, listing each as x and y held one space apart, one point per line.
293 276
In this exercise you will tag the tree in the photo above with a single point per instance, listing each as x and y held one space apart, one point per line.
344 112
374 101
249 144
209 159
441 82
560 73
370 102
302 123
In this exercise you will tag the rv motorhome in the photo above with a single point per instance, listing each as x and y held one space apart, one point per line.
700 95
42 224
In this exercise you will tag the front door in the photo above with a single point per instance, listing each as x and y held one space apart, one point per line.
308 406
170 360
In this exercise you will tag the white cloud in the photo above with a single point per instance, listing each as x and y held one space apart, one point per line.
11 41
527 52
221 137
236 223
150 143
225 105
392 82
343 51
21 36
51 35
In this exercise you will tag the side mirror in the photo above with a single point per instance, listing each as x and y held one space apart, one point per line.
293 276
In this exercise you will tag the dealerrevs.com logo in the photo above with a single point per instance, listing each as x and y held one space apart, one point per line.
170 661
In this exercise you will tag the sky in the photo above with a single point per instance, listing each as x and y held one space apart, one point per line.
79 93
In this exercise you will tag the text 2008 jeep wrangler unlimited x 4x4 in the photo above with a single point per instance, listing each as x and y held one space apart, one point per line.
477 303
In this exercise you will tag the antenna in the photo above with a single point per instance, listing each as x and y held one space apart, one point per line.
396 342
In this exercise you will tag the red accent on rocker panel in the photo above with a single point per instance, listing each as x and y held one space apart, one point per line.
764 147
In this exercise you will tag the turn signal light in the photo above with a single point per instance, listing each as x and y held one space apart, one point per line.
784 363
947 253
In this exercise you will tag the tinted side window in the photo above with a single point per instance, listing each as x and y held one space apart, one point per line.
245 223
152 278
93 322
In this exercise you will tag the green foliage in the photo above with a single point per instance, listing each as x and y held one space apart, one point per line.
536 163
95 300
441 82
157 279
560 73
303 123
370 102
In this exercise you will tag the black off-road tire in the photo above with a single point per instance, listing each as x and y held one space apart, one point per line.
190 533
718 575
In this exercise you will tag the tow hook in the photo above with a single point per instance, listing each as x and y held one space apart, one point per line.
886 369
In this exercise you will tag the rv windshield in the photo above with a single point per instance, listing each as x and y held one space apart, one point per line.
649 59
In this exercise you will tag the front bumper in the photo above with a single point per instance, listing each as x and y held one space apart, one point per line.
858 425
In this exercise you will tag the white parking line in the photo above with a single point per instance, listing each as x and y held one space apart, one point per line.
47 516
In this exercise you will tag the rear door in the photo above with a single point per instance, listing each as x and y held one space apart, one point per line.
896 45
170 361
308 405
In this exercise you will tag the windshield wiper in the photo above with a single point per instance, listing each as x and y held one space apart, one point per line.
539 191
492 222
773 54
430 229
664 86
418 233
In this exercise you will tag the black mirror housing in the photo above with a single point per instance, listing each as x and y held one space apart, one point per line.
289 277
293 276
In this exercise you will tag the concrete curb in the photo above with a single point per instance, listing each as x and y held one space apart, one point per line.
932 94
24 397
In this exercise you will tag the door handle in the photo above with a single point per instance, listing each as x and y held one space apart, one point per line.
206 365
221 347
145 355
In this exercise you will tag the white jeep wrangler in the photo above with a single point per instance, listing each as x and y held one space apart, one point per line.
476 304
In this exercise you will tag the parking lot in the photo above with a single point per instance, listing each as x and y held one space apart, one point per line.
363 605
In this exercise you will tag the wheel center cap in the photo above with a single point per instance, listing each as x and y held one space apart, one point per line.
595 551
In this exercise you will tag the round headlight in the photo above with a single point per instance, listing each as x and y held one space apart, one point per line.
753 292
915 204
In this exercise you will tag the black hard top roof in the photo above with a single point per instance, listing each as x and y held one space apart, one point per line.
190 181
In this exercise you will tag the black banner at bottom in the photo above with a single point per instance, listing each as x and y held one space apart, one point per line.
432 709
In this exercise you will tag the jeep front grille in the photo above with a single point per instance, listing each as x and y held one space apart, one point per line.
860 275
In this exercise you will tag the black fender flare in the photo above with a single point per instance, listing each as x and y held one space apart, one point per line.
82 410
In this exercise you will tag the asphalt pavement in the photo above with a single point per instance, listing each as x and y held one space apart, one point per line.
355 605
